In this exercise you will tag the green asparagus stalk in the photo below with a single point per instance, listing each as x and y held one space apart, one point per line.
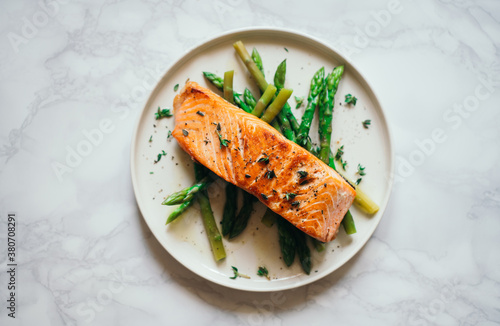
249 98
276 125
258 60
200 173
312 102
188 193
178 211
251 66
362 199
228 86
348 223
215 80
241 103
219 83
365 202
269 218
280 75
303 250
325 131
287 240
214 237
283 119
326 112
213 234
318 245
264 100
229 214
243 216
279 82
276 106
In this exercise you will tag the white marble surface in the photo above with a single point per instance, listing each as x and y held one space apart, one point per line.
84 253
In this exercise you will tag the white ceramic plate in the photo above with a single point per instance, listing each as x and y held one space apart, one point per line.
185 239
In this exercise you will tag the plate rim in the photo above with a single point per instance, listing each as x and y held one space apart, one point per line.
291 33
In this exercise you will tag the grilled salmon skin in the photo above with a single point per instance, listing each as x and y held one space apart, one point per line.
246 151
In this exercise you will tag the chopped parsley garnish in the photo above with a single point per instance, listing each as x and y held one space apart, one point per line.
263 272
264 160
185 132
151 138
338 156
367 123
151 172
351 99
290 195
361 170
344 163
200 113
270 174
304 182
264 196
358 181
176 87
302 174
223 142
165 113
286 49
237 274
295 203
299 101
159 156
169 135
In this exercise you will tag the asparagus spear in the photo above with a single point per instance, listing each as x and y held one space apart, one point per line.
213 234
362 199
325 131
219 83
214 79
228 86
249 98
258 60
303 250
318 245
251 66
283 119
241 103
199 175
279 82
287 240
211 229
264 100
279 75
269 218
312 102
326 112
243 216
276 106
188 193
178 211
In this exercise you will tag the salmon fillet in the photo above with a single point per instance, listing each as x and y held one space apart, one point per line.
261 161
